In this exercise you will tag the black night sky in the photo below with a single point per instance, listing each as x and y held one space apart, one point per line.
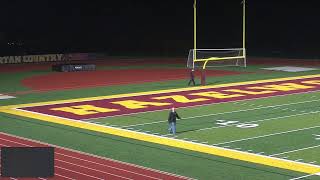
124 27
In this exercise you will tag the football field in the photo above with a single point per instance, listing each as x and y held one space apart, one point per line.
272 122
250 124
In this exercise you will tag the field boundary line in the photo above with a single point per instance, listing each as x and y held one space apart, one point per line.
177 143
156 92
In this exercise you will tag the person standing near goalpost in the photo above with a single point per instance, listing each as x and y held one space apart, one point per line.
173 115
192 78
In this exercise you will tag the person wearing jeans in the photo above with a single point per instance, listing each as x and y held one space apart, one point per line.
172 119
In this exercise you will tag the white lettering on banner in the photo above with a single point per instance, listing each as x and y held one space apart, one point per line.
30 58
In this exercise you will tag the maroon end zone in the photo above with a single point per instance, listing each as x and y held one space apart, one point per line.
106 107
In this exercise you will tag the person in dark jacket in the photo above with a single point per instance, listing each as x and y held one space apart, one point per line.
173 115
192 78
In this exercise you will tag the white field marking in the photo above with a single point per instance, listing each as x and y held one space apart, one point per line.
295 150
166 135
298 160
222 113
104 165
58 166
206 142
23 110
191 106
78 172
96 157
83 160
268 135
302 177
97 170
63 176
261 120
178 140
312 162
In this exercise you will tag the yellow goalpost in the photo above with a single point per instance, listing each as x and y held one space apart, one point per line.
238 53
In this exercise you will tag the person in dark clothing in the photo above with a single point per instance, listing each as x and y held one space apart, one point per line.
192 78
173 115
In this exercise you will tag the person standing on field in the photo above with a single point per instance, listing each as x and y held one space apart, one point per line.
192 78
172 119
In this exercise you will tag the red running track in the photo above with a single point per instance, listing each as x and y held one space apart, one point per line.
70 164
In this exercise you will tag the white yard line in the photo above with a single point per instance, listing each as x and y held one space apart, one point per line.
230 112
295 150
302 177
261 120
267 135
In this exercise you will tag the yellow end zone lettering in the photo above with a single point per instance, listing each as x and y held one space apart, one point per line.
180 99
218 95
313 82
249 92
84 109
134 104
282 87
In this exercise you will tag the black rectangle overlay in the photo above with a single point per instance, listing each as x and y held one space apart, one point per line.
29 162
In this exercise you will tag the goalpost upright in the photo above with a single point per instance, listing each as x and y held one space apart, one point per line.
219 56
194 30
244 31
